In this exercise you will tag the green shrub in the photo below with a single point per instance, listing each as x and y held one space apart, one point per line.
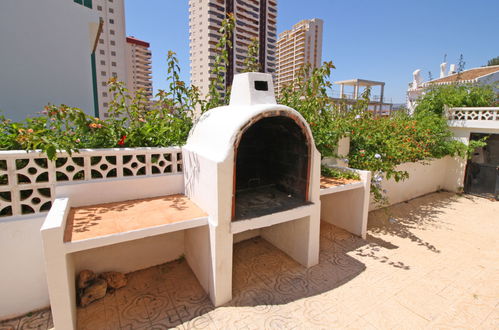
378 144
437 96
338 174
133 121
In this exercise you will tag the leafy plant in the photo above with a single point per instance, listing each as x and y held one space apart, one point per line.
437 97
339 174
251 62
380 144
309 95
377 144
474 144
218 93
133 121
493 61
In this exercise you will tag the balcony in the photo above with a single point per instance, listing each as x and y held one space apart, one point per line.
473 117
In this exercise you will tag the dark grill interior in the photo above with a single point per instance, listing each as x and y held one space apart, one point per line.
271 168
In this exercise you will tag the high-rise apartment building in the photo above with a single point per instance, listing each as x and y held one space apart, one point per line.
296 47
138 66
253 19
110 56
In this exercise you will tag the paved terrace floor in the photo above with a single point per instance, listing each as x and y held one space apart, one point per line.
432 262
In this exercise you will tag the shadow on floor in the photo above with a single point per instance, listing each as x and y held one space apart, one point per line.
169 295
264 275
404 218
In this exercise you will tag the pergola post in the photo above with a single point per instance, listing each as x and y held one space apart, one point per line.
341 91
381 99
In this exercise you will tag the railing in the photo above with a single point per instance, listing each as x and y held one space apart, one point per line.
28 179
350 96
478 113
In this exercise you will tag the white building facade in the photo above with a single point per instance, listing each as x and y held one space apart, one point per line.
297 47
47 55
253 19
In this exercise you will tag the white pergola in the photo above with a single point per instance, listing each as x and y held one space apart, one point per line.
357 83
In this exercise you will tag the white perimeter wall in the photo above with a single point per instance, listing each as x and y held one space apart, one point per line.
23 287
445 173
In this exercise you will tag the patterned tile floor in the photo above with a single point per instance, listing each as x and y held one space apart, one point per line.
428 263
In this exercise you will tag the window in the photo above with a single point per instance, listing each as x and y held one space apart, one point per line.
86 3
103 73
111 32
104 94
111 10
99 8
102 62
113 63
112 43
101 41
115 74
104 84
111 21
102 52
105 104
113 53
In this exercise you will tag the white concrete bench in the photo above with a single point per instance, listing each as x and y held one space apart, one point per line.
108 235
347 205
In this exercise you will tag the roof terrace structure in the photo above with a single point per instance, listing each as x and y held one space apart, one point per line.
377 102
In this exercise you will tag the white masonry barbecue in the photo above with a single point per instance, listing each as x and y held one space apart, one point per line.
253 167
249 169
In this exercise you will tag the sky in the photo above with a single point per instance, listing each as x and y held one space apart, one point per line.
384 40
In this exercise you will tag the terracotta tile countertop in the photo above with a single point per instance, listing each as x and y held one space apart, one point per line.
112 218
327 182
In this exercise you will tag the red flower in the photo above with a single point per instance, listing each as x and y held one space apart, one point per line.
122 140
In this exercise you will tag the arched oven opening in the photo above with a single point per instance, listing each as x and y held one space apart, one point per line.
272 166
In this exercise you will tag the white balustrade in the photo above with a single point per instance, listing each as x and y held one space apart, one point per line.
28 179
476 113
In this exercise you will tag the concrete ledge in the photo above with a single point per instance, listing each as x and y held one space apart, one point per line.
56 218
271 219
133 235
340 188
